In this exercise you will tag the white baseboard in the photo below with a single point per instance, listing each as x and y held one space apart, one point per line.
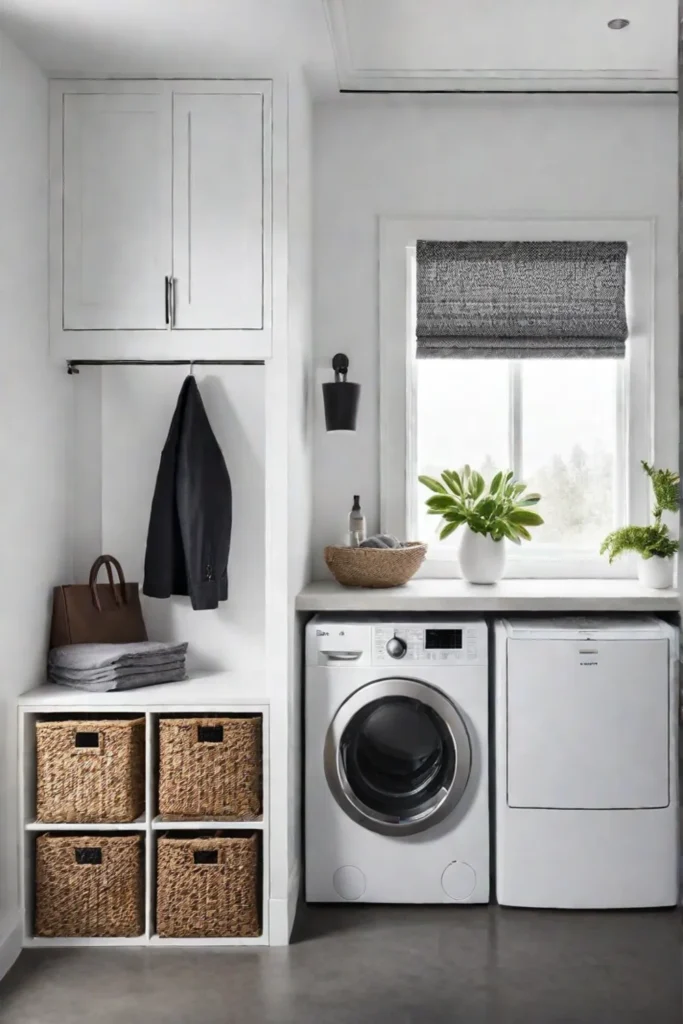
10 941
283 912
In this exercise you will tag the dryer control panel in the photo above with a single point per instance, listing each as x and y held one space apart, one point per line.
427 645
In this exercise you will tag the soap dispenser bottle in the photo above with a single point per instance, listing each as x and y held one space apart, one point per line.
356 523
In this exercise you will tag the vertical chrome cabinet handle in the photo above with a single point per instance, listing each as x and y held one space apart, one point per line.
167 299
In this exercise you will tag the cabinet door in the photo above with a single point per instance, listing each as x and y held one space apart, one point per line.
117 193
219 216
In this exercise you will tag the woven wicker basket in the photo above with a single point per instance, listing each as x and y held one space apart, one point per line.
208 887
90 886
210 767
90 771
375 567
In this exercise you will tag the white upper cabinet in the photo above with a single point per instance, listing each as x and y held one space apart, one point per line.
161 223
218 228
117 211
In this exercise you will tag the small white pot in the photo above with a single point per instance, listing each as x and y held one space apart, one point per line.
482 559
656 573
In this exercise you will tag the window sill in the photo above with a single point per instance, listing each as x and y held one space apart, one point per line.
510 595
534 566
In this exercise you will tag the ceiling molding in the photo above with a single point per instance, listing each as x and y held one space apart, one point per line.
569 87
353 78
460 83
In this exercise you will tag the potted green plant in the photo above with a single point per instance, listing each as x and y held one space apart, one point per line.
654 545
489 514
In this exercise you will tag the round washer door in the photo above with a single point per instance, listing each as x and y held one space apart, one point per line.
397 756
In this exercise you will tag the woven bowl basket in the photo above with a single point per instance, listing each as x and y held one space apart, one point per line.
208 887
89 886
375 567
210 768
90 770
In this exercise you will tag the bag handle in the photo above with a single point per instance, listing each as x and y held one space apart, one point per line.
107 561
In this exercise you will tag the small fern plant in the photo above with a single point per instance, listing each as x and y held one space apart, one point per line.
653 540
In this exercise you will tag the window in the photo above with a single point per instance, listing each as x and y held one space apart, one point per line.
556 423
573 429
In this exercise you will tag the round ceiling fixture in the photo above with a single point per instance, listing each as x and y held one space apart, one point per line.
618 23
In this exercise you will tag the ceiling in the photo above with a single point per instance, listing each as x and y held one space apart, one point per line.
172 37
359 44
460 44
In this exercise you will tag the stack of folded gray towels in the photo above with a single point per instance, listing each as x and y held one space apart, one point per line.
102 667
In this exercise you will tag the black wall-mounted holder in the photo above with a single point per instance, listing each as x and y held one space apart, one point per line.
341 397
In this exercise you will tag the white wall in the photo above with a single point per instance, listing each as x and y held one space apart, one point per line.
470 156
124 414
300 377
35 419
289 508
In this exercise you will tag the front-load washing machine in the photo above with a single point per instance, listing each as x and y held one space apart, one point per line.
586 762
396 762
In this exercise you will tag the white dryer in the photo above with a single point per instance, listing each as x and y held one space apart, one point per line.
586 763
396 776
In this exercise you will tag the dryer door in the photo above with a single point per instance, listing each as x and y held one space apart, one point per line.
397 756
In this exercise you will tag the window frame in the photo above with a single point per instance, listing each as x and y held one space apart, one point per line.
397 239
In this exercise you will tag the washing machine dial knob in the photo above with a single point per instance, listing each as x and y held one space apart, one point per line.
396 648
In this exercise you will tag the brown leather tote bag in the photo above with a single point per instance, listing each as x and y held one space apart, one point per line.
98 613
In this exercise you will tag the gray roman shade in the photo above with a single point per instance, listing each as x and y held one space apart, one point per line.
521 300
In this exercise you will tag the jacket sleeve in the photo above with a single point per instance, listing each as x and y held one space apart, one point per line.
204 503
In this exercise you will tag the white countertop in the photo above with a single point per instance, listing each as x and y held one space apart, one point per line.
432 595
219 690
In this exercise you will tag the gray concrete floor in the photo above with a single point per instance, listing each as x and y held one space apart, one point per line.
352 965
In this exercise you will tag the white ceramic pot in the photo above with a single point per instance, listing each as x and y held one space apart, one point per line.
482 559
656 572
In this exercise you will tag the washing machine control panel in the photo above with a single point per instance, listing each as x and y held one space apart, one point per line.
427 645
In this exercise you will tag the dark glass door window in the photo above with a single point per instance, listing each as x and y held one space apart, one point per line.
398 756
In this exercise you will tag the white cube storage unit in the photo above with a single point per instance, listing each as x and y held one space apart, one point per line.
204 697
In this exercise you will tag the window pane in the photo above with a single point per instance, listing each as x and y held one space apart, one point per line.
462 416
569 447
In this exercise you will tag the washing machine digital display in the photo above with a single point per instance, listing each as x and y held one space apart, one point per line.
443 639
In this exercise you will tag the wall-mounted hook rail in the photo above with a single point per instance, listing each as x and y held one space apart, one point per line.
73 365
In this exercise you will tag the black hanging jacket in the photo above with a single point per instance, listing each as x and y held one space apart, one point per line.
188 541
